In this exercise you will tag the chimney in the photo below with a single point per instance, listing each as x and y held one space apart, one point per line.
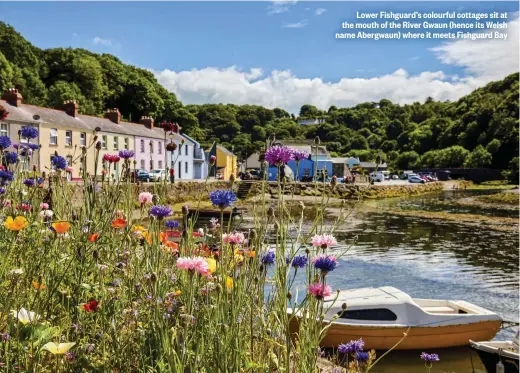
71 107
147 121
113 115
12 97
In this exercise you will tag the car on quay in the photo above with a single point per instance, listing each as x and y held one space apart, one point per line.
157 175
416 179
141 175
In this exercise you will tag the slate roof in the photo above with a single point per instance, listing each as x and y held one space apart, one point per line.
59 118
307 146
371 165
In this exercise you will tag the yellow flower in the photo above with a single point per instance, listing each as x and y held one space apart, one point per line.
138 228
212 265
25 317
58 349
229 282
178 293
16 224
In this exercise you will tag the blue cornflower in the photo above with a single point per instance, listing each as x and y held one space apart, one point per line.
351 347
160 211
29 132
34 146
29 182
429 358
40 180
5 142
268 258
126 154
59 162
362 357
11 157
6 175
325 263
2 190
299 261
171 224
223 198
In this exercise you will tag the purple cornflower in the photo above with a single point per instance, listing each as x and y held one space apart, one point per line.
300 155
59 162
34 146
223 198
11 158
362 357
6 337
160 211
429 358
2 190
278 155
325 263
171 224
268 258
5 142
70 356
126 154
6 175
89 347
351 347
29 132
29 182
299 261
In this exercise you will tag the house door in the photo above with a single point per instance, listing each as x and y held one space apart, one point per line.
180 170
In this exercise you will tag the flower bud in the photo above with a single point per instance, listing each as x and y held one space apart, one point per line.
185 209
98 145
344 306
289 295
212 160
317 140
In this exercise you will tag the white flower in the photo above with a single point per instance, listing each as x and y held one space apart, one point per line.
47 213
16 272
58 349
201 231
25 317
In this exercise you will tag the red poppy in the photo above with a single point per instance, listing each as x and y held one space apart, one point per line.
118 223
90 306
93 237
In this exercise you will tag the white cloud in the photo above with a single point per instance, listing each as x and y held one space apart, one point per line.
320 11
100 41
415 58
301 24
280 6
483 61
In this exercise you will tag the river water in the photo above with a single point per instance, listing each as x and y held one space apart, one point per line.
433 259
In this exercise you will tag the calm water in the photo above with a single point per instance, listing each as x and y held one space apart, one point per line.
432 259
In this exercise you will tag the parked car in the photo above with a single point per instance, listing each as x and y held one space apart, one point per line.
416 179
142 175
377 176
157 175
395 177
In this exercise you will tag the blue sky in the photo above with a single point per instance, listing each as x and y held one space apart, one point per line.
182 36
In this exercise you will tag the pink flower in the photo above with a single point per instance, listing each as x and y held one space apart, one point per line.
212 159
145 198
198 264
7 204
320 290
111 158
233 238
323 240
44 206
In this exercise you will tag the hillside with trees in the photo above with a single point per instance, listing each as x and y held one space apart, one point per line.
478 130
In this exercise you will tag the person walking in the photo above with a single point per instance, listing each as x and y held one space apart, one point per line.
172 175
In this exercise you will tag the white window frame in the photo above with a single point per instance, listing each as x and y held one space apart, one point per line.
143 164
68 138
53 140
116 143
159 145
83 139
4 130
104 140
186 149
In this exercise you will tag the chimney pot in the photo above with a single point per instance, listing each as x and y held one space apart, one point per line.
71 107
12 97
147 121
113 115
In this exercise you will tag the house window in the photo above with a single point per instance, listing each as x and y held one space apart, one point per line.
186 167
3 129
375 314
142 163
104 143
69 161
54 136
160 165
83 139
116 143
151 147
126 143
185 149
159 146
142 146
68 138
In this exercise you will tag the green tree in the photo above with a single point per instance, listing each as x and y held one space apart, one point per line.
407 160
479 157
309 111
6 73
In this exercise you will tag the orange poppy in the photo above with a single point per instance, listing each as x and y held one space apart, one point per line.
93 237
37 285
119 223
171 245
61 227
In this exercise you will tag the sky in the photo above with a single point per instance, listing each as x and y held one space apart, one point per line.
276 54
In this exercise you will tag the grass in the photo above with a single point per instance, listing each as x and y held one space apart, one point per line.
501 198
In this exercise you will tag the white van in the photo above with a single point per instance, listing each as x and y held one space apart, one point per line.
377 176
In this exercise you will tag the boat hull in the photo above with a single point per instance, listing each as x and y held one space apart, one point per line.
384 338
490 361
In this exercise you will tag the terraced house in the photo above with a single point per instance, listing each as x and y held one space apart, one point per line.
66 132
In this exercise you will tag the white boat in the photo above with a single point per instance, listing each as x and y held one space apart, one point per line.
498 352
381 316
